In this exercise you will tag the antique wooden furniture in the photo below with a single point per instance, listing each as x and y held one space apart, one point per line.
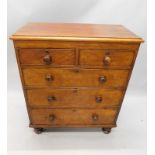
74 75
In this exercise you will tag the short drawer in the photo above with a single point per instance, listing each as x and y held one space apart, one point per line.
73 116
107 58
75 98
75 77
47 56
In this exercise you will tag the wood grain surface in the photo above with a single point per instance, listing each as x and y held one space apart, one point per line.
70 31
74 97
73 116
74 75
57 56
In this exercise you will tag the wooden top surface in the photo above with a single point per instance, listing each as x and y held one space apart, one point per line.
68 31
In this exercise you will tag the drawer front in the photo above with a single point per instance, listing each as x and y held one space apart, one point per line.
75 77
73 116
47 56
109 58
75 98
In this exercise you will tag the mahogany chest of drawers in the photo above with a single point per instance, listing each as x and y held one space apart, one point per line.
74 75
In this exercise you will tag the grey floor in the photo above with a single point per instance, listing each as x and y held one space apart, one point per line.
128 138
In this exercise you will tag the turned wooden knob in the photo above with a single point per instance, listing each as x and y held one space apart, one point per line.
107 60
99 99
52 117
102 79
51 98
94 117
47 59
49 78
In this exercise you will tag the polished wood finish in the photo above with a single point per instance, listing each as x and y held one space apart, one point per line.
47 44
74 97
68 77
73 116
106 57
78 32
74 75
47 56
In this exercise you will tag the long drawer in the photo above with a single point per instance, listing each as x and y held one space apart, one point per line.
74 98
73 116
69 77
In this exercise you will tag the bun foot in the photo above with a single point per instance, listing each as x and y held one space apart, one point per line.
106 130
39 130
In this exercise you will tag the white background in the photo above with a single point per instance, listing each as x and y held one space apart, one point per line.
130 136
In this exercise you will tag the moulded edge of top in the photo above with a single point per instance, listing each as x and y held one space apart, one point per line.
134 40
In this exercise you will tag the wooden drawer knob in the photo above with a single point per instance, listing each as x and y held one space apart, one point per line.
98 99
52 117
95 117
49 78
107 60
102 79
47 59
51 98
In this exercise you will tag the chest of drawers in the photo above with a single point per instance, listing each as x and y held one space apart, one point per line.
74 75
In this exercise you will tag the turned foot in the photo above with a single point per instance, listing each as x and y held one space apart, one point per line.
106 130
39 130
